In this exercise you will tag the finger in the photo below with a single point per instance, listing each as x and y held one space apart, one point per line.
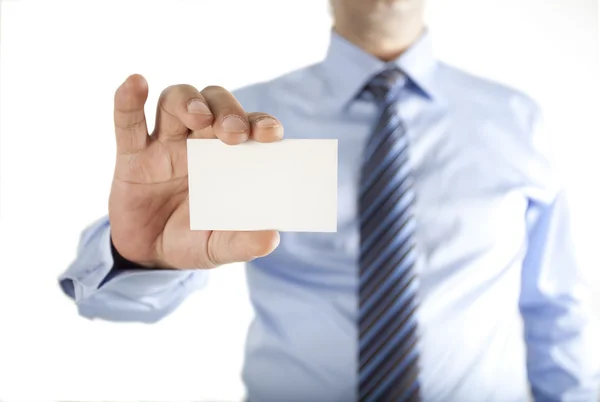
231 123
205 133
228 247
264 127
130 121
181 108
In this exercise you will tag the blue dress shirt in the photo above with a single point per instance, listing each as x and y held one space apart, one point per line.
500 308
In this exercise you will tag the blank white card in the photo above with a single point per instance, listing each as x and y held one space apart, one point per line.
288 185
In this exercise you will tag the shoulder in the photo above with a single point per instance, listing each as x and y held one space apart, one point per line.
268 95
506 121
486 97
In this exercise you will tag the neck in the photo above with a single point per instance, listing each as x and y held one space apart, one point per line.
384 41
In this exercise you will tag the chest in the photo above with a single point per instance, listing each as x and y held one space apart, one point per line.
467 203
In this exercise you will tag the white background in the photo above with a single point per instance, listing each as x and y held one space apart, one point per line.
61 62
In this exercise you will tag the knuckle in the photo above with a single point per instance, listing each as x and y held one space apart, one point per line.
124 105
187 88
213 250
167 91
134 124
184 89
174 98
166 99
214 88
211 259
258 115
205 262
178 90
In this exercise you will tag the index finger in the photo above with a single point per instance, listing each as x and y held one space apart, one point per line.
231 122
181 108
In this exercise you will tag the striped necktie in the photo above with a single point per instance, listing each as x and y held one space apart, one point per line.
388 358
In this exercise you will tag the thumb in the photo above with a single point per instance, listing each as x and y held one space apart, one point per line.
130 121
225 247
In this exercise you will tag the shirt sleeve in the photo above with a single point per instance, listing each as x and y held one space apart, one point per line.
102 291
561 327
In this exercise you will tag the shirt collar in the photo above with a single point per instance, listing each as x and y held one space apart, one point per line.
349 68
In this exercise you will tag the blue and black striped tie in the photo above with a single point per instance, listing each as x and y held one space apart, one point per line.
388 358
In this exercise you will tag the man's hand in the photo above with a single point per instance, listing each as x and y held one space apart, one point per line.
149 203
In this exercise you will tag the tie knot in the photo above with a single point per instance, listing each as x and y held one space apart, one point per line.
386 85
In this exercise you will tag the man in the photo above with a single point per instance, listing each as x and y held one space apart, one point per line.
444 178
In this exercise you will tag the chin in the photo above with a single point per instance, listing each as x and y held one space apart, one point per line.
399 4
377 7
393 2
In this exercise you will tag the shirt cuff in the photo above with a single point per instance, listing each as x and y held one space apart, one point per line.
93 264
123 291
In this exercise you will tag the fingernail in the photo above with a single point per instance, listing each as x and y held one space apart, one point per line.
196 106
233 124
266 122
